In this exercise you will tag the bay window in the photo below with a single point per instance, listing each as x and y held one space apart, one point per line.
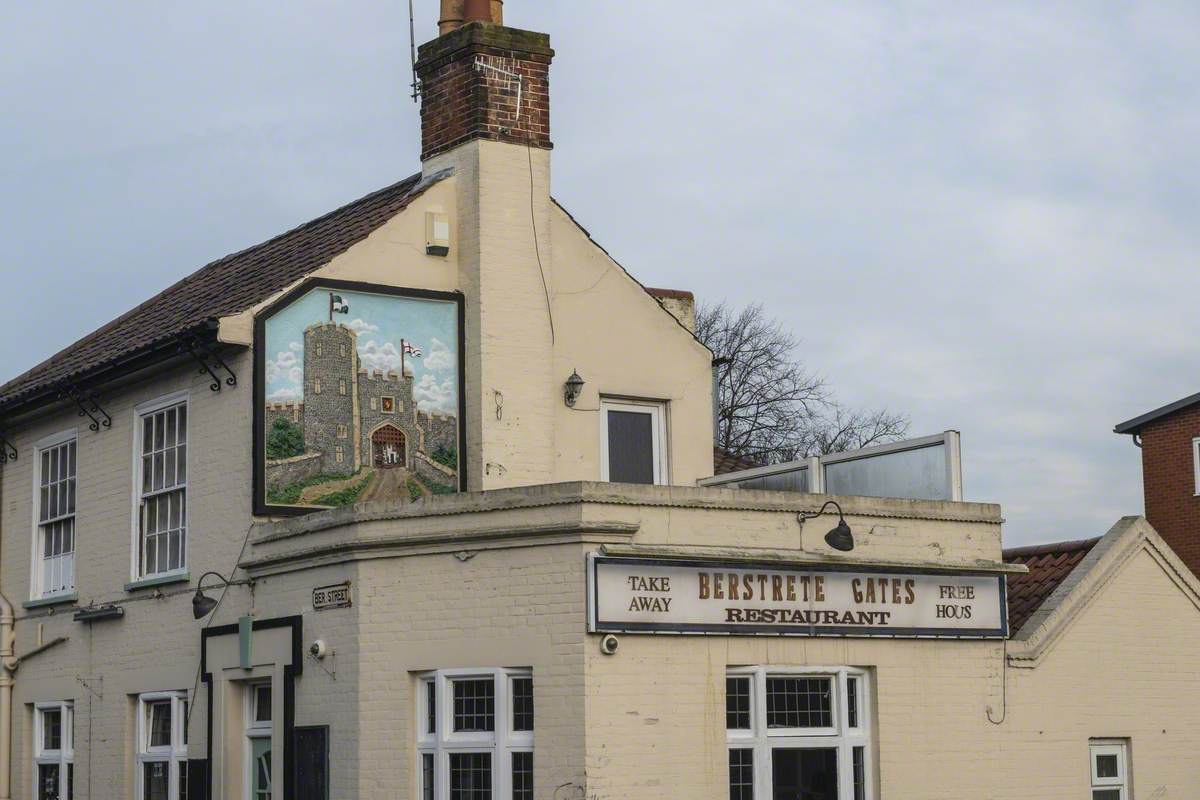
475 735
798 733
53 746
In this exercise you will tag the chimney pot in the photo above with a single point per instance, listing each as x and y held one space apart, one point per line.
484 11
452 16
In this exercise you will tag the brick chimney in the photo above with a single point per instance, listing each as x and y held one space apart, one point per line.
474 75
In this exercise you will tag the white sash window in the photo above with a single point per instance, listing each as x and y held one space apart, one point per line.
162 746
162 489
53 751
54 548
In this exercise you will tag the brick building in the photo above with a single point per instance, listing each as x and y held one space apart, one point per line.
586 621
1169 438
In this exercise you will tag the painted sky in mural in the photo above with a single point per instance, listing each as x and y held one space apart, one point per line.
381 322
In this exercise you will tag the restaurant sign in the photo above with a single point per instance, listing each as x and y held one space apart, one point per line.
648 595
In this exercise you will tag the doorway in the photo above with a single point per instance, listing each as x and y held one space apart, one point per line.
389 448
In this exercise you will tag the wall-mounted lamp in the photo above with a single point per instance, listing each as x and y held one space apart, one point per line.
572 389
203 605
840 538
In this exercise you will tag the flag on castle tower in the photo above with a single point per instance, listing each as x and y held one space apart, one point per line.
337 305
409 348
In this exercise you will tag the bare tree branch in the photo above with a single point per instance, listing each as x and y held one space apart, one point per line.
772 409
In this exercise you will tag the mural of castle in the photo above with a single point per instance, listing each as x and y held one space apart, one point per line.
353 418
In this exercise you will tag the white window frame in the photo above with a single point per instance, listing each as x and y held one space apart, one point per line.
37 589
840 736
140 412
1110 747
500 743
1196 463
64 757
257 729
660 441
175 754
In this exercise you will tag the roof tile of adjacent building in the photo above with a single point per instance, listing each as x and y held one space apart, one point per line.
226 286
1049 565
725 462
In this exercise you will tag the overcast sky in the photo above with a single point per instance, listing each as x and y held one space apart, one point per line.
981 214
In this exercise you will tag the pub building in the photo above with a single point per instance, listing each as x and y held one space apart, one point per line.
373 510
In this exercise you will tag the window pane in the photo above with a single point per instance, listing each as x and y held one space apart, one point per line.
860 774
1107 766
47 782
799 703
182 412
522 776
737 703
1106 794
261 755
262 704
183 780
475 705
431 706
52 730
810 773
470 776
159 720
427 785
741 775
155 780
522 704
630 447
147 434
852 702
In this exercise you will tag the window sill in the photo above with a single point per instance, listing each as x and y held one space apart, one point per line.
157 580
53 600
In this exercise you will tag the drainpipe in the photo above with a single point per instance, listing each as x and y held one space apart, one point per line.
8 665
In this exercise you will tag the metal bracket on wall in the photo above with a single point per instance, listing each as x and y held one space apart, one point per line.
203 355
88 403
8 450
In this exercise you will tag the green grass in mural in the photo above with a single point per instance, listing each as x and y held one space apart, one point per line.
446 456
290 495
414 489
346 497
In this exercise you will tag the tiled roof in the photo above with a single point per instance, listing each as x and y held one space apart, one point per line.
725 462
1049 565
227 286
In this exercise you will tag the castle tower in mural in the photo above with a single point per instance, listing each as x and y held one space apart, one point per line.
356 423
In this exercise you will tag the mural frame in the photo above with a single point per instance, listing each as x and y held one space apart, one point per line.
259 499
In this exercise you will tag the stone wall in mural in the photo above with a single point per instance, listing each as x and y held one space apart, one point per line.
361 399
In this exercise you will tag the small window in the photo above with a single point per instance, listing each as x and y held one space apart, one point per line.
319 348
374 403
633 442
737 703
53 751
342 386
316 385
339 454
1196 462
162 746
262 703
522 704
475 705
795 702
343 432
343 350
1110 769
